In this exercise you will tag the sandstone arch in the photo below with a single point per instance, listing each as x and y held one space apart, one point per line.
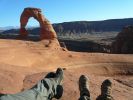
46 29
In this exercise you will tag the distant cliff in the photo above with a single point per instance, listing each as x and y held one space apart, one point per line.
124 41
78 27
92 26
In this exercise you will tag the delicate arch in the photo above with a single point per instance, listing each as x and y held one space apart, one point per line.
46 29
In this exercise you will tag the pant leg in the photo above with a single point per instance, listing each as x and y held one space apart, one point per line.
47 88
44 90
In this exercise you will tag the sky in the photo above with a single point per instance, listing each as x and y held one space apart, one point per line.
57 11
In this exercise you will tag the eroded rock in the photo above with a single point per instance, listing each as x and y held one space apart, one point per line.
124 41
46 29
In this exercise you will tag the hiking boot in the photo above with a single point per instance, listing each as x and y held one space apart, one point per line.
84 86
106 87
50 75
59 75
106 90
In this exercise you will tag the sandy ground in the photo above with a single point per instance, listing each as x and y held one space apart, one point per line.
23 63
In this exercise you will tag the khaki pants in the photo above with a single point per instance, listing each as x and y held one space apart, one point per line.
44 90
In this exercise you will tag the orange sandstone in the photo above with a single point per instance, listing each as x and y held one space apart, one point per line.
46 29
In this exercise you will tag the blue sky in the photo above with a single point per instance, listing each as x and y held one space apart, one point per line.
65 10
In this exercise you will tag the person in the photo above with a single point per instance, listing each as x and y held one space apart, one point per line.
46 89
51 87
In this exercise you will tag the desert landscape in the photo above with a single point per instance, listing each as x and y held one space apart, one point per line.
98 49
23 63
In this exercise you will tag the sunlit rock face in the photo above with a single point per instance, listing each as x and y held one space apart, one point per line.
124 41
46 29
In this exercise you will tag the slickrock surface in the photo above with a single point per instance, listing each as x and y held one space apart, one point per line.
23 63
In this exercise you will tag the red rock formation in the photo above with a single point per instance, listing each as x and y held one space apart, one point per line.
124 41
46 29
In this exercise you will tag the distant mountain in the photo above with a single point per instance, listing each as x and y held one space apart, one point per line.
78 27
32 31
93 26
1 31
1 28
8 27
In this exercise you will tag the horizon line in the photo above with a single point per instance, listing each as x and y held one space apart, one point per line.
71 21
